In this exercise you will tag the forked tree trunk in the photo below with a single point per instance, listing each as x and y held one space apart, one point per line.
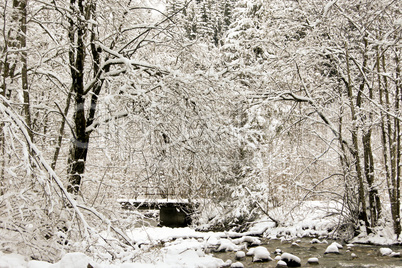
82 119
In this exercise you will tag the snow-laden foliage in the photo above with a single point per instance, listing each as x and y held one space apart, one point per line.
248 108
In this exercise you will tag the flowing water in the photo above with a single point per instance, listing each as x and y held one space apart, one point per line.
366 255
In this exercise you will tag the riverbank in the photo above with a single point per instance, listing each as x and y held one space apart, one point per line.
186 247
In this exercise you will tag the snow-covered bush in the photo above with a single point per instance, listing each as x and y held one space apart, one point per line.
38 217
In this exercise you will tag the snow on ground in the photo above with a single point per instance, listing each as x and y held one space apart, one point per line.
383 236
312 218
163 247
170 257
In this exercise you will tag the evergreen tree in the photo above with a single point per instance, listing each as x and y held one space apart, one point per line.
207 20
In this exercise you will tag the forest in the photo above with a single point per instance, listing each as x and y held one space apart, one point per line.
249 107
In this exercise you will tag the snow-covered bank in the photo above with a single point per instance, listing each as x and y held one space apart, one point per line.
188 248
174 256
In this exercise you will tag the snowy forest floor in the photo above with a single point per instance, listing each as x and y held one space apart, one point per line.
187 247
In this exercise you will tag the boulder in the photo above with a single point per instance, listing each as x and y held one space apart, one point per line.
333 248
261 254
385 251
291 260
240 255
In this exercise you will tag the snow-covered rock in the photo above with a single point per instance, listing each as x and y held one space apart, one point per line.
395 254
250 252
333 248
315 241
385 251
240 255
353 255
228 263
227 245
294 244
338 245
250 240
291 260
281 264
261 254
74 260
313 261
237 265
212 241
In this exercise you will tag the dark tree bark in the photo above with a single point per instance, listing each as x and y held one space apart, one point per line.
368 162
79 147
22 10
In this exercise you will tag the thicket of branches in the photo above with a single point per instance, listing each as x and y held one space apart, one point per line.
248 105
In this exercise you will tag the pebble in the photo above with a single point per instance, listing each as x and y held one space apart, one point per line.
281 264
312 261
237 265
295 245
315 241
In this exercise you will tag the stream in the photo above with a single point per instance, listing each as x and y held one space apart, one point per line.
366 255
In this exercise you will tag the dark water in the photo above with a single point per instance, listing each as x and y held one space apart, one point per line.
366 255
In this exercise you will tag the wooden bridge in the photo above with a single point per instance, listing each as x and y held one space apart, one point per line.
172 212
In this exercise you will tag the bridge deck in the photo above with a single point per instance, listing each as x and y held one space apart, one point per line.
153 203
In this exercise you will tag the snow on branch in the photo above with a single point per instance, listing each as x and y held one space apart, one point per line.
96 123
6 109
21 126
120 60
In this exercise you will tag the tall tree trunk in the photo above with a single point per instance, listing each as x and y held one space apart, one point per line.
84 10
22 8
349 194
15 53
355 142
395 204
390 146
374 199
79 147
